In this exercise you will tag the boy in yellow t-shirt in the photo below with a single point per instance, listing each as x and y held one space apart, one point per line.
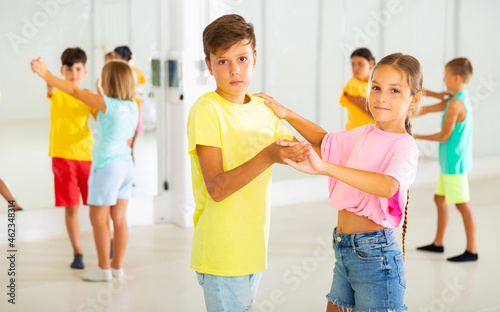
231 140
353 96
70 146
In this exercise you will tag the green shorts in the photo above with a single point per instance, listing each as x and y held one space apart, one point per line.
454 188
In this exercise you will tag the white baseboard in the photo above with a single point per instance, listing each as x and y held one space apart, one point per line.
49 222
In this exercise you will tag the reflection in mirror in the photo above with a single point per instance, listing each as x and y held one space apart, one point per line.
97 27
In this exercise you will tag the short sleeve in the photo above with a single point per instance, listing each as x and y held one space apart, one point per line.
331 147
282 132
403 167
110 105
203 127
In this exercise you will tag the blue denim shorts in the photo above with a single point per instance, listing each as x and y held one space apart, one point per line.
229 293
369 273
111 182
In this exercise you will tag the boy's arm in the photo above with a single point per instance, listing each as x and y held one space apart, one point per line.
313 133
221 184
439 107
441 95
97 101
456 110
359 102
51 89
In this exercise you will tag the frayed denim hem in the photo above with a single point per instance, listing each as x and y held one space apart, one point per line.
403 308
344 307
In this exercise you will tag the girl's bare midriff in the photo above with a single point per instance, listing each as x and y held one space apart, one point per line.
349 223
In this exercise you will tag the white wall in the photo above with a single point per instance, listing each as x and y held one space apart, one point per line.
29 29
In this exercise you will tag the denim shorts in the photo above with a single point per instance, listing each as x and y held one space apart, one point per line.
229 293
111 182
369 273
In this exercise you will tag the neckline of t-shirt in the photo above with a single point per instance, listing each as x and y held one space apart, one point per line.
240 106
386 133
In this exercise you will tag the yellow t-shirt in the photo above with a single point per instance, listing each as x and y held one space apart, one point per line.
231 236
355 116
70 136
139 79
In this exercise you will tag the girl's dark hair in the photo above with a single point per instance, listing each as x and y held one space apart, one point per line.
124 52
364 53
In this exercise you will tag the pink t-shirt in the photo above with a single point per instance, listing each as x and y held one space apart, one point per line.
371 149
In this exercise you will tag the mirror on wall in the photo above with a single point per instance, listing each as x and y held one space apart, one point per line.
30 29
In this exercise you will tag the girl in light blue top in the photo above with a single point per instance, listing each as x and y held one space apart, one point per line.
112 172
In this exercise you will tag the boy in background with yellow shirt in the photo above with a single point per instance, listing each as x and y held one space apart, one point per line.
231 140
70 146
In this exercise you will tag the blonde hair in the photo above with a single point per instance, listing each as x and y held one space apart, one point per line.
117 80
410 69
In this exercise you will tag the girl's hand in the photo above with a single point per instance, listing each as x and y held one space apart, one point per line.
312 165
277 108
444 95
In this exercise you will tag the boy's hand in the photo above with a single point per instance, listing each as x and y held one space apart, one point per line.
277 108
281 150
39 67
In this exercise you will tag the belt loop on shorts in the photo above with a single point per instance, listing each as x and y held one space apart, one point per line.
387 236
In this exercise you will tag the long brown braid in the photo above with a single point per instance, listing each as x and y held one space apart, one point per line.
405 224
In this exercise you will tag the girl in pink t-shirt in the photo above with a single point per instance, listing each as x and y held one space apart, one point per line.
370 169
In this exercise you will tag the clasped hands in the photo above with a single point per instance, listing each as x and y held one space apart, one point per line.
301 156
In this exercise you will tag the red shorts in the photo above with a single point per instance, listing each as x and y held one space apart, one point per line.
70 178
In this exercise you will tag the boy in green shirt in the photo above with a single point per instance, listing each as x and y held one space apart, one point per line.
455 157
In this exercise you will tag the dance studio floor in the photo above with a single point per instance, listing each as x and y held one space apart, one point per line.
158 277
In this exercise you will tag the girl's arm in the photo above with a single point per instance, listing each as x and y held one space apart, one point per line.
438 95
439 107
313 133
359 102
94 100
456 112
374 183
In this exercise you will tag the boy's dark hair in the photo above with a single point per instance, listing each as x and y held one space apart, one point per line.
364 53
124 52
71 56
460 66
226 31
